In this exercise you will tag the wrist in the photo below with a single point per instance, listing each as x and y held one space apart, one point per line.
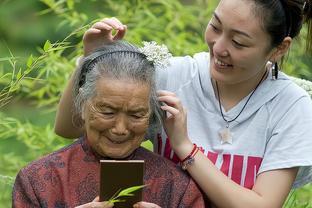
183 149
190 158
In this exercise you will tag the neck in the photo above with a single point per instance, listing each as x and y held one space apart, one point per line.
232 94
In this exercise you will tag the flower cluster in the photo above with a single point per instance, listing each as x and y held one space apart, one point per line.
158 54
305 84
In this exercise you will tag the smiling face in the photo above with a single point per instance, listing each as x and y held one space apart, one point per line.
117 117
239 47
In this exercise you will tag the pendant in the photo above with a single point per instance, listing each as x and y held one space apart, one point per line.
225 135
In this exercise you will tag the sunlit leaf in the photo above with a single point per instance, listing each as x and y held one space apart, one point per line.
6 58
125 192
19 74
130 190
30 61
70 4
47 46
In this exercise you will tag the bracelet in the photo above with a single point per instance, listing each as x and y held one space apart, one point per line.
190 158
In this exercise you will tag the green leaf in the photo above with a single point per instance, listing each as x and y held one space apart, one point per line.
30 61
47 46
147 145
125 192
70 4
19 74
129 191
6 59
27 71
116 200
7 180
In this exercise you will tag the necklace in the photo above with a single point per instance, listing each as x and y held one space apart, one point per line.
225 134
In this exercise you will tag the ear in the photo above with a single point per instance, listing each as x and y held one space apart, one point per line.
281 49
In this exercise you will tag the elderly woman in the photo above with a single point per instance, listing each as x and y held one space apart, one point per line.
116 102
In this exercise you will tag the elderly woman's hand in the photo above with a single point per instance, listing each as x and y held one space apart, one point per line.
101 33
96 204
145 205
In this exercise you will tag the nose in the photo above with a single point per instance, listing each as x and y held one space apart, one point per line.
121 125
220 47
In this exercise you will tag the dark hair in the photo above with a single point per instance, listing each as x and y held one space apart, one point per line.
282 18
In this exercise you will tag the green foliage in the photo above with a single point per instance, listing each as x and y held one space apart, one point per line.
51 35
128 192
298 63
300 199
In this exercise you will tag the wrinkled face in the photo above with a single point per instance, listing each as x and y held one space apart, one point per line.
117 117
239 48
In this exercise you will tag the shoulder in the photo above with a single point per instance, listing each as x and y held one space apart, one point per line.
196 61
293 89
288 100
182 70
285 93
53 160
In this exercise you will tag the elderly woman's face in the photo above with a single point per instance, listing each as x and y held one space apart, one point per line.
117 117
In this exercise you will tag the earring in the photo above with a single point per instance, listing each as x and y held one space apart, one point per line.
274 69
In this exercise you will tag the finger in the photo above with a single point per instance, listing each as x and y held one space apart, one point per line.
117 20
120 33
171 101
96 204
97 199
121 30
165 92
91 31
102 26
113 23
146 205
118 26
173 111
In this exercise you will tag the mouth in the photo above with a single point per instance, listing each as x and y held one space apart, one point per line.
116 141
221 64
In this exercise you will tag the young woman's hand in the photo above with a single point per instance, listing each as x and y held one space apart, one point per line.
145 205
101 33
96 204
176 121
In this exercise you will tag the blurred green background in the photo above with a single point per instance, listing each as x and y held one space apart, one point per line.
39 43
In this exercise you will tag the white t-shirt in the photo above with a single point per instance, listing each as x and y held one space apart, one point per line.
274 130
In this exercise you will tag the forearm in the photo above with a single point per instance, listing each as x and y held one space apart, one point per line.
64 125
224 192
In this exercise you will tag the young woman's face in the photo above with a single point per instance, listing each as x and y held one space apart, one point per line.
239 47
117 118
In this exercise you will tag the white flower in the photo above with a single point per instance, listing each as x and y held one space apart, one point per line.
305 84
158 54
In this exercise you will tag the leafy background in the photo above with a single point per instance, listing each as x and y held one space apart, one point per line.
39 43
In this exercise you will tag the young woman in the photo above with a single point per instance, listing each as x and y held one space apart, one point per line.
251 123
